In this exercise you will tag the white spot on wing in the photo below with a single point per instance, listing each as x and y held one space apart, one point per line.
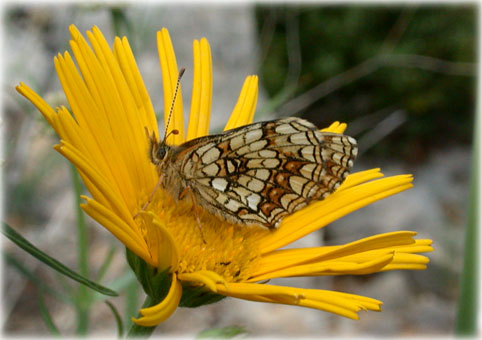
253 134
297 183
219 184
255 185
308 152
338 147
271 163
308 170
351 140
253 201
231 167
267 153
262 174
300 138
232 205
258 145
242 192
236 142
204 148
286 199
285 129
211 170
211 155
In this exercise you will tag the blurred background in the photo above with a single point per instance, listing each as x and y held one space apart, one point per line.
403 77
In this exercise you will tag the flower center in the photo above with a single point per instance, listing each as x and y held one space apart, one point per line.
230 250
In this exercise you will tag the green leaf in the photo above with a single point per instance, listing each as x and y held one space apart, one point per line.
46 316
221 333
118 320
51 262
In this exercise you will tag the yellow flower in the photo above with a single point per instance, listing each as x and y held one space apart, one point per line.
105 139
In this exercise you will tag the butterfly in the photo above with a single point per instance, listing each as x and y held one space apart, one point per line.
257 173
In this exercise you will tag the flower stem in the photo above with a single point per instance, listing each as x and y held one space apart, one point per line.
137 331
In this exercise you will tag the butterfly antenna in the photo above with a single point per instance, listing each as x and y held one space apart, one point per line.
178 83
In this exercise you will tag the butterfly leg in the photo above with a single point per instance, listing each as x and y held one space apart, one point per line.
151 196
194 206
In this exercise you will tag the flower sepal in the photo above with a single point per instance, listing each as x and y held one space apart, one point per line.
155 282
195 296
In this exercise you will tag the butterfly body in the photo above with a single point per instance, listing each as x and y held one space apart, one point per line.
258 173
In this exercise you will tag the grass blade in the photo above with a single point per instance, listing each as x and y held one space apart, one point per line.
46 316
466 323
118 319
34 279
83 296
106 264
51 262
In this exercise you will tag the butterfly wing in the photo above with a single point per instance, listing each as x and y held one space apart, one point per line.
259 173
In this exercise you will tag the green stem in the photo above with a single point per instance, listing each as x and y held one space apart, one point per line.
137 331
466 323
83 296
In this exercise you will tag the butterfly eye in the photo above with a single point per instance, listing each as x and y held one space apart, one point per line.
161 152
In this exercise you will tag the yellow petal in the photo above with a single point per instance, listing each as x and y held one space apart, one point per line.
339 303
38 101
152 316
125 58
170 73
355 257
335 127
118 228
206 277
161 243
359 178
243 112
331 267
304 255
407 262
97 94
202 91
338 204
98 180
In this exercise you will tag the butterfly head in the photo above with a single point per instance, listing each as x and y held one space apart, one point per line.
158 150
